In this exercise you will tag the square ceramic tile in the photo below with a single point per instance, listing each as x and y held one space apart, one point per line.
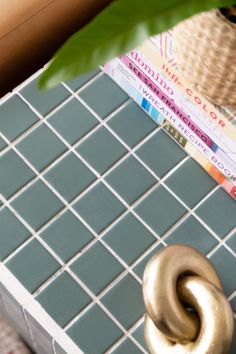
12 234
161 153
44 101
37 204
15 117
225 264
103 96
131 309
70 177
129 238
160 210
79 81
219 212
127 347
139 268
190 232
66 236
14 173
233 345
41 147
138 334
232 242
3 144
132 124
33 265
101 150
94 332
190 182
73 121
233 304
130 179
99 207
97 268
63 299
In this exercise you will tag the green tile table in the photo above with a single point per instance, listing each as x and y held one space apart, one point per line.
90 189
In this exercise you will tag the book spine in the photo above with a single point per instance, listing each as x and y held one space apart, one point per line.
208 117
173 114
128 83
215 127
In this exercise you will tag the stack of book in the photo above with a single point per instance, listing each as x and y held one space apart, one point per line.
150 76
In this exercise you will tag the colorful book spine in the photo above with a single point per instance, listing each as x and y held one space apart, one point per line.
171 111
129 82
213 124
173 114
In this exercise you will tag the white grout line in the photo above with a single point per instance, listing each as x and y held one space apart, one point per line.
123 338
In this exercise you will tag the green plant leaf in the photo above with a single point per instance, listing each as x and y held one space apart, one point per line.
120 27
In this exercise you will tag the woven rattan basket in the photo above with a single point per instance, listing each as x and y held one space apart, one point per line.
205 51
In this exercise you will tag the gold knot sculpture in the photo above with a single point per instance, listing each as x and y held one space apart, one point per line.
187 312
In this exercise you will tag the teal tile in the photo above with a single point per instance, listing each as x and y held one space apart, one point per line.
99 207
101 150
130 179
70 177
161 153
33 265
139 268
97 268
63 299
132 124
127 347
233 345
73 121
41 147
233 304
66 236
94 332
232 242
190 232
160 210
219 212
131 308
3 144
44 101
138 334
15 117
79 81
103 96
12 234
129 238
190 182
14 173
225 264
37 205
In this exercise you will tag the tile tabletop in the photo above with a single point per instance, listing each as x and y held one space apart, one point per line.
90 189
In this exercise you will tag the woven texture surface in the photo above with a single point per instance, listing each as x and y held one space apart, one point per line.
205 50
10 343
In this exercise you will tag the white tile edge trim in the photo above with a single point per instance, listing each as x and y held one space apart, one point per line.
26 300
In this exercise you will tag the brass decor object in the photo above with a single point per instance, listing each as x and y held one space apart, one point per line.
205 51
187 312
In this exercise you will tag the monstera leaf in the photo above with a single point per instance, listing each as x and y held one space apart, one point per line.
120 27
